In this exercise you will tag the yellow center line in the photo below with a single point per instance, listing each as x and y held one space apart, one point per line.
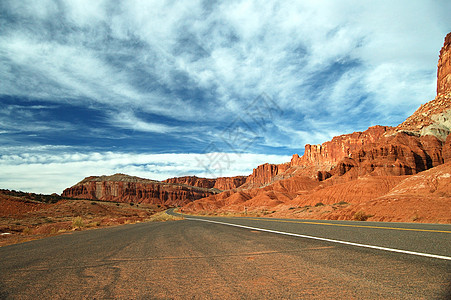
348 225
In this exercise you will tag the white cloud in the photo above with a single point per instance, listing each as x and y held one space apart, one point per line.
49 173
128 120
204 65
86 12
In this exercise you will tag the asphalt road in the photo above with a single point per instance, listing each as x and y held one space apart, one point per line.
194 259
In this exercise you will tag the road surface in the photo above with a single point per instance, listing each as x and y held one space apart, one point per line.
198 259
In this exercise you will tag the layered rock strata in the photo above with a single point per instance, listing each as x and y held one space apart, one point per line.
124 188
220 183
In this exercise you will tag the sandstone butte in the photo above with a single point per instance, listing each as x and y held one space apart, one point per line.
125 188
400 173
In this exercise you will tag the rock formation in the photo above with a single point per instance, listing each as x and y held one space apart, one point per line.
359 167
220 183
264 174
229 183
207 183
124 188
444 67
432 118
328 154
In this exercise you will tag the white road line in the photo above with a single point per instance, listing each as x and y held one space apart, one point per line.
328 240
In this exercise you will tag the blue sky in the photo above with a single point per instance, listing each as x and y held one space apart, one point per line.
169 88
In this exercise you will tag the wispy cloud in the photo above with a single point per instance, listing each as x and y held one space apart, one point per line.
160 57
128 120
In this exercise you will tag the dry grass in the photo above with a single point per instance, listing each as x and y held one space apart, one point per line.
163 217
78 223
361 216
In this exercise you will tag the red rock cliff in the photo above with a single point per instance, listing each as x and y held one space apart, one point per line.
221 183
193 181
400 154
328 154
264 174
444 67
229 183
124 188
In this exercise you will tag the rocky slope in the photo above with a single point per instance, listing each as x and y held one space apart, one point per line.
354 168
124 188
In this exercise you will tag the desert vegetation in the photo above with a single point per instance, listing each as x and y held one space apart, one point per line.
163 217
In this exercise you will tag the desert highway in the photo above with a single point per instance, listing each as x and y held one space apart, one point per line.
234 258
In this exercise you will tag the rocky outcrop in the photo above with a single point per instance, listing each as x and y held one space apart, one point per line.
220 183
432 118
379 149
124 188
229 183
264 174
444 67
193 181
328 154
397 155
